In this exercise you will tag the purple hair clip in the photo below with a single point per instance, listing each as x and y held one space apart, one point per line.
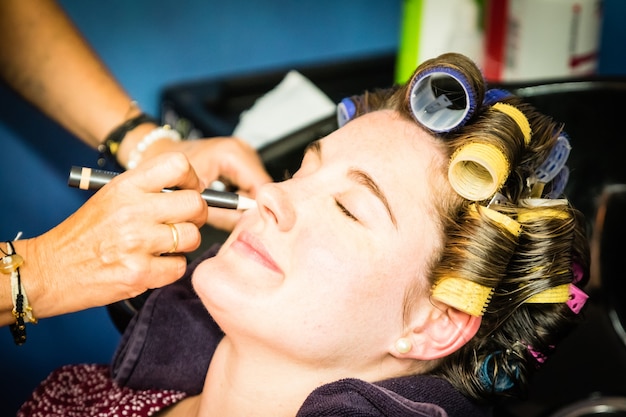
578 297
539 357
577 272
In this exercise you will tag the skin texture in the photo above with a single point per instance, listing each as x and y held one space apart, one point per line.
311 286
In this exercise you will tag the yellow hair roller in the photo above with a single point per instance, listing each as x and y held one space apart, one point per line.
462 294
477 171
541 208
542 213
518 117
558 294
505 221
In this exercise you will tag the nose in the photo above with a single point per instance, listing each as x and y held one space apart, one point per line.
275 205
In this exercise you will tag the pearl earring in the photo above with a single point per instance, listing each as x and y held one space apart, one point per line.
403 345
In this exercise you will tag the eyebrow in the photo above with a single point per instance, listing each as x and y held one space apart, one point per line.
360 177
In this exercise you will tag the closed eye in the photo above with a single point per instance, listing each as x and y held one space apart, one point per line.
345 211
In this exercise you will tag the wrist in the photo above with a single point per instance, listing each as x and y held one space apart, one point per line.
130 142
158 136
14 265
112 147
31 272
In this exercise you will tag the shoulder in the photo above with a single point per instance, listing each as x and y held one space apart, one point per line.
412 396
435 390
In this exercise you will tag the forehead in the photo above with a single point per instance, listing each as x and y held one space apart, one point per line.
385 139
401 157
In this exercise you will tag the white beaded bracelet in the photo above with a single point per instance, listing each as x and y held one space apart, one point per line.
164 132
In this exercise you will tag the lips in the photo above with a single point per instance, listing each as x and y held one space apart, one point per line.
249 246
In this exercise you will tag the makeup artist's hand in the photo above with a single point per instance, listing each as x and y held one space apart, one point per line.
224 158
117 244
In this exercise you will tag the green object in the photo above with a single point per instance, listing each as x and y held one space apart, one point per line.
409 39
414 13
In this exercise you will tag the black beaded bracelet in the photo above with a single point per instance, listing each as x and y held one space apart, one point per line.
109 148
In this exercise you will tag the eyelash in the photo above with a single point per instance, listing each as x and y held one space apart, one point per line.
287 175
346 211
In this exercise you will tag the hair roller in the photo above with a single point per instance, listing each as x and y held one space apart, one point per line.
354 106
494 95
518 116
346 110
445 92
553 170
478 170
475 258
559 183
502 219
533 296
498 373
555 161
544 257
539 210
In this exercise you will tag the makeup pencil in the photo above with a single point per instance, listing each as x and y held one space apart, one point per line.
94 179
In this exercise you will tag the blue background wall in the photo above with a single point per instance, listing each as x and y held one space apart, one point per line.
149 44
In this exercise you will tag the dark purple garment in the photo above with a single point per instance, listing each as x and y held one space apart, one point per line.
412 396
170 343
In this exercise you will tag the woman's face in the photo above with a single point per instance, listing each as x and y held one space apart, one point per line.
319 272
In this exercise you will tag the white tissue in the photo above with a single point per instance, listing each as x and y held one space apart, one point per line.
293 104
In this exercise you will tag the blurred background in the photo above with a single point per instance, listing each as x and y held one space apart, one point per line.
154 45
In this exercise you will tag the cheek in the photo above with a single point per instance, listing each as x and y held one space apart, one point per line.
354 282
343 298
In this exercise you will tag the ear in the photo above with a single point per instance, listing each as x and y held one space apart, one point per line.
441 332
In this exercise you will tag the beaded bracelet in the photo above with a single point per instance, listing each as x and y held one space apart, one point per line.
164 132
109 148
10 264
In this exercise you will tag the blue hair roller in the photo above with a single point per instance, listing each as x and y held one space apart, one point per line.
494 95
558 183
555 161
442 99
346 109
493 380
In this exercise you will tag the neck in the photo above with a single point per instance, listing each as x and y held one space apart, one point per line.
253 385
262 383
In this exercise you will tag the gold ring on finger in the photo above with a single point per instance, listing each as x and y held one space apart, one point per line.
174 237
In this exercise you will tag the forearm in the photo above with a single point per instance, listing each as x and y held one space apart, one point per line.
47 61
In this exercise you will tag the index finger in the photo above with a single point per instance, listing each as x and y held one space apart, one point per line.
243 168
167 170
